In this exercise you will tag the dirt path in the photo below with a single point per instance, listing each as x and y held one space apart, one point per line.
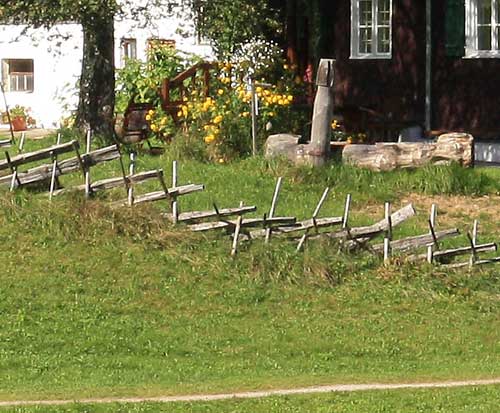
258 394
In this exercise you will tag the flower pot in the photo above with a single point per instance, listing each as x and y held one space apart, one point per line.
19 124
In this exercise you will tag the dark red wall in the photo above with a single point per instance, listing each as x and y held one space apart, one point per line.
394 86
466 92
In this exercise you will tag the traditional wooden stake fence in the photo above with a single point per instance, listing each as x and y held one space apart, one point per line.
242 229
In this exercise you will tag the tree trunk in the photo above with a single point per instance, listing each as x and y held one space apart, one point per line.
97 82
451 147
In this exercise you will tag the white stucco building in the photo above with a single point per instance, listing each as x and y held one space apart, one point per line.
40 68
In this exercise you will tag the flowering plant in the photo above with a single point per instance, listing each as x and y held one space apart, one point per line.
19 111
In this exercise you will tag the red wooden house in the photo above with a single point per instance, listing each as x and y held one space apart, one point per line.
432 62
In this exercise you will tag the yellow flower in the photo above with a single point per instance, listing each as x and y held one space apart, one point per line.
218 119
290 98
154 128
148 117
272 114
209 139
220 92
179 113
221 160
184 99
245 114
163 121
151 112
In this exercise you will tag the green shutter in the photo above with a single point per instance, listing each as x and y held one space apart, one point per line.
455 28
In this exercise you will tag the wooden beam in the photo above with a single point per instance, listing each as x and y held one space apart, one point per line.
47 153
248 223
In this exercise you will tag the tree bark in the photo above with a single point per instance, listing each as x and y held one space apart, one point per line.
451 147
97 82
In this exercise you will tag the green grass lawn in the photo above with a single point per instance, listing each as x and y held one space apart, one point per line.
101 302
464 400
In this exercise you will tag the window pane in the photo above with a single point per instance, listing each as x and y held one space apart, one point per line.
484 37
365 40
498 37
484 11
384 12
365 12
384 40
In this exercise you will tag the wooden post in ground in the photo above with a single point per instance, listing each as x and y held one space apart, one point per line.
174 203
236 236
473 242
388 233
130 191
21 142
254 113
53 178
13 169
273 206
88 188
322 200
432 227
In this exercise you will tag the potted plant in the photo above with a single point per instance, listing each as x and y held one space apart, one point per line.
20 118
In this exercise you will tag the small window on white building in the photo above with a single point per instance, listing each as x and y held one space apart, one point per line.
128 49
482 28
18 75
371 29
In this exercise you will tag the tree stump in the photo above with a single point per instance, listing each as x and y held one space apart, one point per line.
450 147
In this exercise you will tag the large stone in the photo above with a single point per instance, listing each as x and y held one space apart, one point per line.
450 147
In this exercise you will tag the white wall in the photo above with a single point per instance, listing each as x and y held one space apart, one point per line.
57 55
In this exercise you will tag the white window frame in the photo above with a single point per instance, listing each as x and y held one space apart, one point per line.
24 81
471 36
355 30
128 49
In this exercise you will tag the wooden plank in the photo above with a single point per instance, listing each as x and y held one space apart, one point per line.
160 195
364 234
248 223
301 226
47 153
455 252
111 183
67 166
188 217
274 202
410 243
467 264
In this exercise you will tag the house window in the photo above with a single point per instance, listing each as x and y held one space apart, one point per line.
17 75
128 49
482 28
371 29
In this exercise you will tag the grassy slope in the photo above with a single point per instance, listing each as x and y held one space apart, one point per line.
100 302
484 399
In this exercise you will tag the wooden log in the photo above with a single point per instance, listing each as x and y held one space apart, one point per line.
467 264
67 166
364 234
451 147
188 217
111 183
301 226
274 202
160 195
455 252
248 223
42 154
236 235
410 243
